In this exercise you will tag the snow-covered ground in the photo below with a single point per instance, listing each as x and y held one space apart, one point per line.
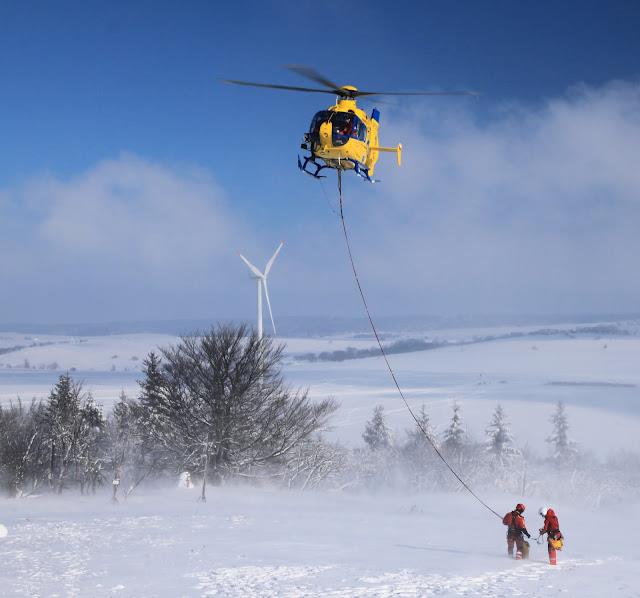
261 542
285 544
599 380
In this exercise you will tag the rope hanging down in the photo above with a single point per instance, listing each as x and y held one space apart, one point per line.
393 375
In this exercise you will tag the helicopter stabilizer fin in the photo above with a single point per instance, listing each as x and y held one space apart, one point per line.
396 150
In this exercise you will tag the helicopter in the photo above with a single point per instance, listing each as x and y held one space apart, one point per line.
343 137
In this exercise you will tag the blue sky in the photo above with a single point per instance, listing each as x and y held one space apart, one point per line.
135 85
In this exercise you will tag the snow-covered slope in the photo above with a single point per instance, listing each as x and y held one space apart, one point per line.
267 543
599 379
93 353
285 544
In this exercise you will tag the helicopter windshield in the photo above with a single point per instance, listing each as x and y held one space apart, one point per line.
345 126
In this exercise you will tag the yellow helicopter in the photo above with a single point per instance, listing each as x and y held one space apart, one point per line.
343 136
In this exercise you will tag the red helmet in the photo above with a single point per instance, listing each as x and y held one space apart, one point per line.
520 507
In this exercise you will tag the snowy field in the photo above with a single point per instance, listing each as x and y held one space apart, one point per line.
597 377
262 543
601 387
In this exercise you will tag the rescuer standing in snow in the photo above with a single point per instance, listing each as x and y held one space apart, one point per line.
551 527
516 530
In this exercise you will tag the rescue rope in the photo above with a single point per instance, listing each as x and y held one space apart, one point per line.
384 354
326 197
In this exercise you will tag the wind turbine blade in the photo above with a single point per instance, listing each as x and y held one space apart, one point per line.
251 266
266 294
273 259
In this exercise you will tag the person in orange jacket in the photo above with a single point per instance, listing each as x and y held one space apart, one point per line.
516 530
551 527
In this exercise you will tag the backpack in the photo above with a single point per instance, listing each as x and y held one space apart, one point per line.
556 540
510 520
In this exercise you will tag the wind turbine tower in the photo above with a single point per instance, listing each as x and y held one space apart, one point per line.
261 279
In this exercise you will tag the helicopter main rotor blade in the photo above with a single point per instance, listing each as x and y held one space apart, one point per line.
311 73
416 93
272 86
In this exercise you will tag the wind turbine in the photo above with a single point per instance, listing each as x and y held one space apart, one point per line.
261 279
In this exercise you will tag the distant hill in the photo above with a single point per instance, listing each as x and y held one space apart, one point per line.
314 326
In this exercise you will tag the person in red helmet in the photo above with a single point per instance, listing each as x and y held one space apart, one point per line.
551 527
516 530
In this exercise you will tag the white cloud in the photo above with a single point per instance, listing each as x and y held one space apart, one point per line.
135 213
534 209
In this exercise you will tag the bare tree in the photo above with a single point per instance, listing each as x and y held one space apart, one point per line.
220 404
312 463
121 436
132 455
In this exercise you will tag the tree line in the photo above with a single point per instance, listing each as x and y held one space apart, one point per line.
495 462
216 407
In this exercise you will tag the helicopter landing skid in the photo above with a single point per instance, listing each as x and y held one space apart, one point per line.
362 172
303 166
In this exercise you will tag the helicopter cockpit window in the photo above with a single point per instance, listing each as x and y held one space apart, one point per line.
344 126
318 119
361 132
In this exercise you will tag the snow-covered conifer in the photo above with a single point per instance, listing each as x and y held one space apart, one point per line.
453 437
499 441
416 436
563 449
74 423
376 433
151 384
418 455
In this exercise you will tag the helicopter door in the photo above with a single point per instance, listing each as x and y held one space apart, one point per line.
318 119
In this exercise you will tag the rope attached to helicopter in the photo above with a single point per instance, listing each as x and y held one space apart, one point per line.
384 355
